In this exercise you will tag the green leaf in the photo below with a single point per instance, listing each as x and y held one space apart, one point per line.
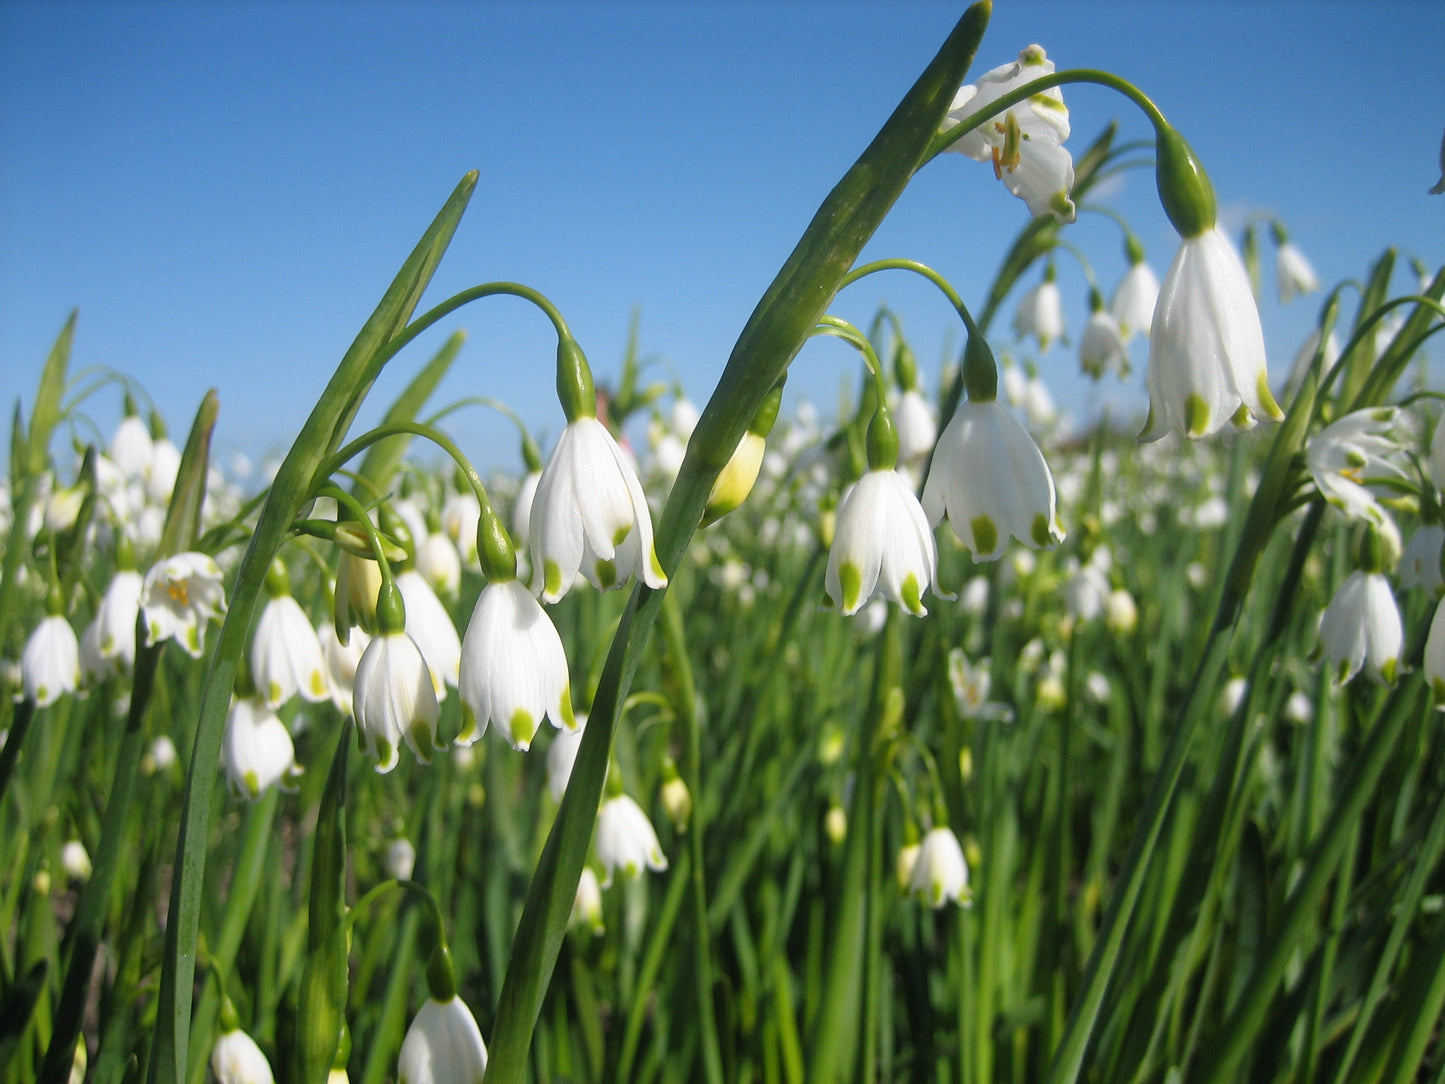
18 1008
46 412
328 421
773 335
183 515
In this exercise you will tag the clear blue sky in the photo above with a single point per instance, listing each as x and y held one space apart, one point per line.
224 189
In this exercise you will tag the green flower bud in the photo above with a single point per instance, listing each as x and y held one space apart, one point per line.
1184 187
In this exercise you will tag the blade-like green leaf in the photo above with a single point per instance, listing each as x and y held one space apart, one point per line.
323 430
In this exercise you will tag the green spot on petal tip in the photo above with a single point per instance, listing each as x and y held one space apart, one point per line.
1196 417
913 595
985 535
851 582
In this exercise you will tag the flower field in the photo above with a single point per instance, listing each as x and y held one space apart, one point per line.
911 738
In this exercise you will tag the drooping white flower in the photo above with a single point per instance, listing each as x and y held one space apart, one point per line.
521 510
429 624
1101 347
400 858
561 755
1025 141
1306 355
1420 561
1133 302
1085 590
115 617
590 515
75 860
460 514
179 595
94 667
131 448
626 840
903 865
1350 456
1295 275
882 543
990 481
256 749
513 668
439 562
394 701
1361 629
442 1046
587 903
341 662
286 654
50 662
940 872
917 425
1434 661
1206 346
1040 313
236 1059
165 465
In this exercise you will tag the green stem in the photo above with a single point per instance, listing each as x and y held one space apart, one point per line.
697 826
944 140
772 337
1319 868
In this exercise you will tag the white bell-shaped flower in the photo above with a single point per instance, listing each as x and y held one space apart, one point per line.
882 544
990 481
443 1046
115 617
1206 346
940 872
236 1059
561 755
587 903
626 840
286 654
1294 273
1132 304
394 700
439 562
1434 661
50 662
917 423
429 624
590 515
513 668
1040 314
131 448
1361 629
341 662
1101 347
256 749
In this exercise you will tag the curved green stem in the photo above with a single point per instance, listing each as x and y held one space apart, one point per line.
345 500
945 139
944 286
419 429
